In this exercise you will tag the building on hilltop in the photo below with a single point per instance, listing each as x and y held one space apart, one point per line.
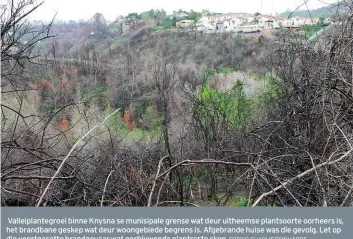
245 22
184 23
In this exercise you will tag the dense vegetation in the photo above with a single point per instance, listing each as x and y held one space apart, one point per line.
104 115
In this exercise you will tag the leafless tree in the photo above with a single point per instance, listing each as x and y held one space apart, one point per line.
164 75
18 35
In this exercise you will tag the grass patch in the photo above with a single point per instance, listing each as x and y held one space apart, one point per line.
226 70
309 31
117 124
117 42
94 92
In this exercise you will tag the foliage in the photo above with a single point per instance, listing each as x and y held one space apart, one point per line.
152 124
243 202
73 140
218 114
117 42
94 92
174 21
225 70
273 91
238 201
194 16
49 110
149 15
156 15
166 23
269 99
159 28
218 110
233 201
312 30
133 16
237 39
151 119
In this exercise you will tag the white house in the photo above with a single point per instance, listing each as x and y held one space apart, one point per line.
243 22
220 23
184 23
295 22
249 28
235 22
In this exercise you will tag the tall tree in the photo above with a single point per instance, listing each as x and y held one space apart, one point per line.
99 23
164 75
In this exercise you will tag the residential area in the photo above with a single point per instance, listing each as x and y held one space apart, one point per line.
207 22
247 23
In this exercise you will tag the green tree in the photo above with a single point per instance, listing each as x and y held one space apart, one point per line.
133 16
174 21
166 23
151 14
321 21
148 16
219 114
195 16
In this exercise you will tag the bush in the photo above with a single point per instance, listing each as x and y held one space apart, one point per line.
117 42
225 70
221 114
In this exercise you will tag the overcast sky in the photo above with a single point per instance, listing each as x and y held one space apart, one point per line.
85 9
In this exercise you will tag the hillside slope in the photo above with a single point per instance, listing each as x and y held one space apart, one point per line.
327 11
